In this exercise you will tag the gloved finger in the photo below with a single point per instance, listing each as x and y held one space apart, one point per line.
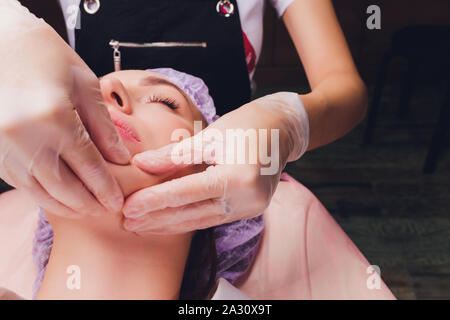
42 156
185 227
32 187
158 161
175 156
196 187
6 178
87 163
47 202
61 184
95 117
179 215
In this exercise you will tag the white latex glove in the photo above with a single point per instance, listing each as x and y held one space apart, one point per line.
223 192
50 110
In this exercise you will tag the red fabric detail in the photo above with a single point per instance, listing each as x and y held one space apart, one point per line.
250 54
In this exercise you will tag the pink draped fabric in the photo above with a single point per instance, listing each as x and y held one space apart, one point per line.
304 254
18 220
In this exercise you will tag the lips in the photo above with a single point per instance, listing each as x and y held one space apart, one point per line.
126 131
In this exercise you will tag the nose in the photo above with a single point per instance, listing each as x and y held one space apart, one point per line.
115 94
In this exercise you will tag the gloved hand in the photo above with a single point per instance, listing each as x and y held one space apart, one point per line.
224 192
50 110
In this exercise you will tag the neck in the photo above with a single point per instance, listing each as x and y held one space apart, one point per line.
86 263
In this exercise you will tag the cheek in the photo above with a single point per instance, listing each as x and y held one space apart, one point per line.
161 129
132 179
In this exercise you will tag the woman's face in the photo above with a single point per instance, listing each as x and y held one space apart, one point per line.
146 109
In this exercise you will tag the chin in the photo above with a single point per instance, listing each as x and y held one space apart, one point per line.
132 179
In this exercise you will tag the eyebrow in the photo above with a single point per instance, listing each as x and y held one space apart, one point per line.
154 81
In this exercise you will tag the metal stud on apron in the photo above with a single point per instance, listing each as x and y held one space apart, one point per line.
200 37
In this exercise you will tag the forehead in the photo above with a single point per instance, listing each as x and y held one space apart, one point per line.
133 77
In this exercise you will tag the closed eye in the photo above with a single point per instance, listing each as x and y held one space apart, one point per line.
170 102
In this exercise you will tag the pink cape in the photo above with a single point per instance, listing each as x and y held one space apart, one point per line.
304 254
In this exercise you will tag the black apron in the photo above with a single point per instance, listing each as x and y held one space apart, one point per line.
221 64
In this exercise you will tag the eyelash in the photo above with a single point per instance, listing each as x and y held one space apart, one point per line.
171 103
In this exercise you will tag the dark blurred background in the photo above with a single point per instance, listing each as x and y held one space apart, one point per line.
388 183
378 192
